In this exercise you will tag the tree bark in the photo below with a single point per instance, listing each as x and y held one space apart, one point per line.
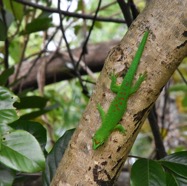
165 49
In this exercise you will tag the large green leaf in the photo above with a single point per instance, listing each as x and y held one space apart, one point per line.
31 102
170 180
7 99
6 176
178 157
21 151
34 128
5 75
176 163
180 180
180 170
7 111
55 156
147 173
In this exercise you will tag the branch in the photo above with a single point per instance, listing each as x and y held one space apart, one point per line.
58 69
126 11
70 14
160 150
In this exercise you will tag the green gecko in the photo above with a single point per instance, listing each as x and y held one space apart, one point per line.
117 108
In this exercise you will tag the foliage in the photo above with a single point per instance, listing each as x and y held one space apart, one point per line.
170 170
19 149
55 156
29 33
68 96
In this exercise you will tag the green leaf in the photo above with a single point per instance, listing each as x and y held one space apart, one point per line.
178 87
17 9
39 24
38 113
3 31
98 25
77 29
170 180
184 101
178 157
6 176
7 111
34 128
7 98
176 163
20 151
5 75
148 173
178 169
16 49
181 181
6 116
31 102
55 156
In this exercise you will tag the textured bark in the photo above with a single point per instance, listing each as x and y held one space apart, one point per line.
57 67
165 49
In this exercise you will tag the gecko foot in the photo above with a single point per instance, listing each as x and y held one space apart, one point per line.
120 128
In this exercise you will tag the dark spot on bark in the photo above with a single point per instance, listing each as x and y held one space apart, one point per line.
97 170
139 115
135 130
110 157
118 149
184 33
116 165
182 45
104 163
161 88
115 141
89 168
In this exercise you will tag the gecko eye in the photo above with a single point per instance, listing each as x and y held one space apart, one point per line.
97 143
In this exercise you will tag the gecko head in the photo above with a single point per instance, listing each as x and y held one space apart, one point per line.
97 140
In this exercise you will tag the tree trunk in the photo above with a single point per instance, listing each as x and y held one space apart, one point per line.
165 48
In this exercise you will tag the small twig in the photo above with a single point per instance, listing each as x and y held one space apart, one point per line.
105 7
84 88
70 14
166 98
89 33
40 54
64 35
26 39
183 78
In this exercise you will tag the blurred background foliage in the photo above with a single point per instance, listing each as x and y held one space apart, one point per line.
31 30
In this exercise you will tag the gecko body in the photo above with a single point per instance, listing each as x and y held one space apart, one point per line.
110 119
